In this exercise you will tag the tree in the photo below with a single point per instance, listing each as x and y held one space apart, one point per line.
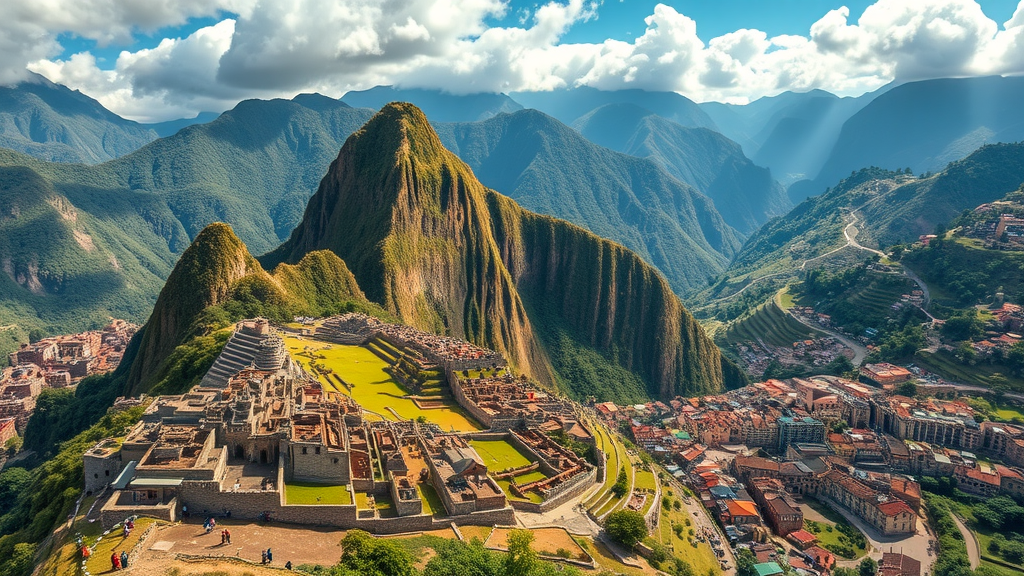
844 571
963 326
521 558
12 482
745 561
908 389
365 555
867 567
12 445
626 527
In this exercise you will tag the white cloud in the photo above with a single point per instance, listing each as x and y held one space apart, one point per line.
281 47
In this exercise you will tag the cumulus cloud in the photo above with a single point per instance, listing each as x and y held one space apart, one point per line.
281 47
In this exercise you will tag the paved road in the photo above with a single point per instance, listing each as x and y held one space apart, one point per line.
973 552
859 351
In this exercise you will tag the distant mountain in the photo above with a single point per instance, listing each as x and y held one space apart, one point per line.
746 195
551 169
924 126
171 127
569 105
791 133
51 122
438 250
439 106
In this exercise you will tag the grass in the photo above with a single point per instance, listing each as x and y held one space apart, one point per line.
547 541
608 562
499 455
700 557
100 559
645 479
827 532
1007 413
432 503
606 501
372 387
980 374
307 493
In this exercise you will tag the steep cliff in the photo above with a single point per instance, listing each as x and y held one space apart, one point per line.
217 282
435 248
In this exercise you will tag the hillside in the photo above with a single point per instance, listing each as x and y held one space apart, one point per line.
924 125
437 105
569 105
551 169
51 122
441 252
217 281
746 195
880 208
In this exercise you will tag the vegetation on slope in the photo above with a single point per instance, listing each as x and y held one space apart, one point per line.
442 253
551 169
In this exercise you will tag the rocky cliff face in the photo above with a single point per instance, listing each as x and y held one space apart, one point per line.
438 250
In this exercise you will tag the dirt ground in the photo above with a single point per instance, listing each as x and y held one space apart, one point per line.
298 544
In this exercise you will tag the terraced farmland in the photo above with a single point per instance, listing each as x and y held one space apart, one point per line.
769 323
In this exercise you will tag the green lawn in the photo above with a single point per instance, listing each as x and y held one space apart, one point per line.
372 387
432 503
700 557
605 443
499 455
308 493
1007 413
645 479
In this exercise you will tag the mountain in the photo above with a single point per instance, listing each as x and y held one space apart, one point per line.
439 106
51 122
924 126
791 133
551 169
569 105
746 195
887 208
217 281
171 127
441 252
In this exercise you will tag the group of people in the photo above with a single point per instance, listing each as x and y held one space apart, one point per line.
268 556
119 561
129 525
210 524
225 536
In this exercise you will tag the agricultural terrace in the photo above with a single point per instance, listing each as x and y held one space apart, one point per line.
499 455
607 501
547 541
768 323
308 493
373 388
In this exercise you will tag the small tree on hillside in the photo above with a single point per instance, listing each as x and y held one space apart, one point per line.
521 558
626 527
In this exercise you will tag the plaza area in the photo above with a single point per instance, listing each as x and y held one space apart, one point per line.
370 385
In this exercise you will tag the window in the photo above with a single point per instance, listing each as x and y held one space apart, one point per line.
335 460
304 450
317 449
106 472
96 475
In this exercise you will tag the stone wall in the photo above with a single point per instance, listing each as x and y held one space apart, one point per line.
316 463
545 466
100 471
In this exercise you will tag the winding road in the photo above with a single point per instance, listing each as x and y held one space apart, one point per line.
973 551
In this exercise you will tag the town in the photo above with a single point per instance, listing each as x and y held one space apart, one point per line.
56 362
350 422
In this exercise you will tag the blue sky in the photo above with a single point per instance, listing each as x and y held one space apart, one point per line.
617 19
153 67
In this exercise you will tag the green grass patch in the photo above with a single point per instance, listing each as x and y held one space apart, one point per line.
698 555
499 455
308 493
373 388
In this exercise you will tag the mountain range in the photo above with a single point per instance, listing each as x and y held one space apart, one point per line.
439 251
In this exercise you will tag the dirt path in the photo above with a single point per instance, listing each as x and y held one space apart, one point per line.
973 551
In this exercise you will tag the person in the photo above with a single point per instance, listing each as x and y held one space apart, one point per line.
288 565
270 555
223 538
263 557
124 559
227 534
184 511
127 530
115 560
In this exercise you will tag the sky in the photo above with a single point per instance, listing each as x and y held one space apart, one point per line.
153 60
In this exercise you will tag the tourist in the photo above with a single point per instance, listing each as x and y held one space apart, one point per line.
115 560
124 559
227 534
263 557
127 530
270 555
288 565
223 537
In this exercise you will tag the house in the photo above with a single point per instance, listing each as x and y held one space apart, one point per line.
768 569
802 539
895 564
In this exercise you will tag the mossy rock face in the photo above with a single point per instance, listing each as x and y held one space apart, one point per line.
443 253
